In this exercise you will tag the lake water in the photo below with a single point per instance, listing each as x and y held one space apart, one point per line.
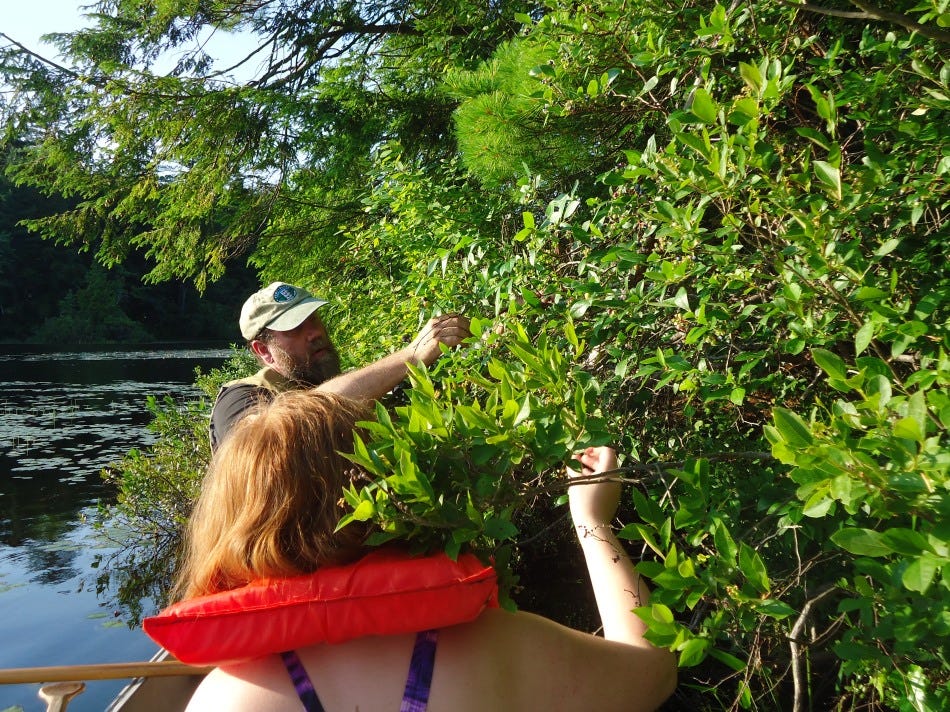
63 417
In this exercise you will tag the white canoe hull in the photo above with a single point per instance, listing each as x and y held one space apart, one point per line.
156 694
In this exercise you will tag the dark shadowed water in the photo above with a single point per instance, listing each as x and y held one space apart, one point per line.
63 417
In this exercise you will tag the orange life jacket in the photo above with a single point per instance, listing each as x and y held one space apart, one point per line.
387 592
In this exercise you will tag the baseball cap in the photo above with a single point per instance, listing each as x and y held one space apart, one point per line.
278 306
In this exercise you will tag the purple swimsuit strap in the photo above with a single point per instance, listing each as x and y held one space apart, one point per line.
415 698
302 684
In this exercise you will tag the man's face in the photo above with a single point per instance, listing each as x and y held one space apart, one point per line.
304 353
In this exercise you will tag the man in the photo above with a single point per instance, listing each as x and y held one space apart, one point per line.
285 333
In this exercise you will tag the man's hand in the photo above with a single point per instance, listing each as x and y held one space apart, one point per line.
449 329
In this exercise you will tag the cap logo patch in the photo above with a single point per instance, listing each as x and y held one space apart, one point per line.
284 293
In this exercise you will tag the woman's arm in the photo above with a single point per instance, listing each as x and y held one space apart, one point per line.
618 588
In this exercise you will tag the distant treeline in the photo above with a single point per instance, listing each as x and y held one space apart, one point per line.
55 294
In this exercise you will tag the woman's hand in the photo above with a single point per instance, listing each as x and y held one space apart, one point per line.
594 504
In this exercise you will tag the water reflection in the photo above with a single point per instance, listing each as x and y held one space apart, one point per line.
63 417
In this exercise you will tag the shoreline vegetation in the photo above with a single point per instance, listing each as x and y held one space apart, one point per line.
692 230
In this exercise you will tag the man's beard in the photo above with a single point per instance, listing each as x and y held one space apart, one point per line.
311 372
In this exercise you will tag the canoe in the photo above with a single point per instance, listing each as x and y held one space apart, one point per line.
161 684
158 693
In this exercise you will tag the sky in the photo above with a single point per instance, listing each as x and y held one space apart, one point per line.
27 20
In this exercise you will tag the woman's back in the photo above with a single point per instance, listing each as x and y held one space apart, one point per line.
269 509
502 661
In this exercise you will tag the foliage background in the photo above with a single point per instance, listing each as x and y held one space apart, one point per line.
712 235
54 294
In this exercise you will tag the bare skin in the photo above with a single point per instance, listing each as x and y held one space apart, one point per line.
621 589
502 660
307 354
304 353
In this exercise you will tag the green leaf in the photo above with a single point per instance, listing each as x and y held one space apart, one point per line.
830 363
662 613
648 86
362 456
906 541
829 176
863 337
453 548
870 294
725 544
728 659
792 428
917 409
696 143
500 528
703 106
910 429
571 335
853 650
751 76
920 574
744 110
863 542
795 345
682 299
814 136
879 387
818 504
530 297
364 511
753 568
774 608
647 509
745 696
693 652
523 413
887 247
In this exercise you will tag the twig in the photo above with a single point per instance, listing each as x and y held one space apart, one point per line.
26 50
608 475
871 12
544 530
798 704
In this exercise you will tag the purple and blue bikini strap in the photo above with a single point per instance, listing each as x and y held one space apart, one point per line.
415 698
302 684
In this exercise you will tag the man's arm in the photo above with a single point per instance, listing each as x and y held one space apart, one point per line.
374 381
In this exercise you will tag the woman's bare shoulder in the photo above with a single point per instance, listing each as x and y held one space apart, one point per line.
254 685
547 665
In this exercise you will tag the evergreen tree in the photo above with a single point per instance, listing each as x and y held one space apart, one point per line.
193 169
92 313
713 233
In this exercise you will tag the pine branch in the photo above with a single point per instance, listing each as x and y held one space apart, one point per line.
41 58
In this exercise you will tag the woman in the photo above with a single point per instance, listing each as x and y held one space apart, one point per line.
268 508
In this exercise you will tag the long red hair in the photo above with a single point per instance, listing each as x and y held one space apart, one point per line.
272 496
